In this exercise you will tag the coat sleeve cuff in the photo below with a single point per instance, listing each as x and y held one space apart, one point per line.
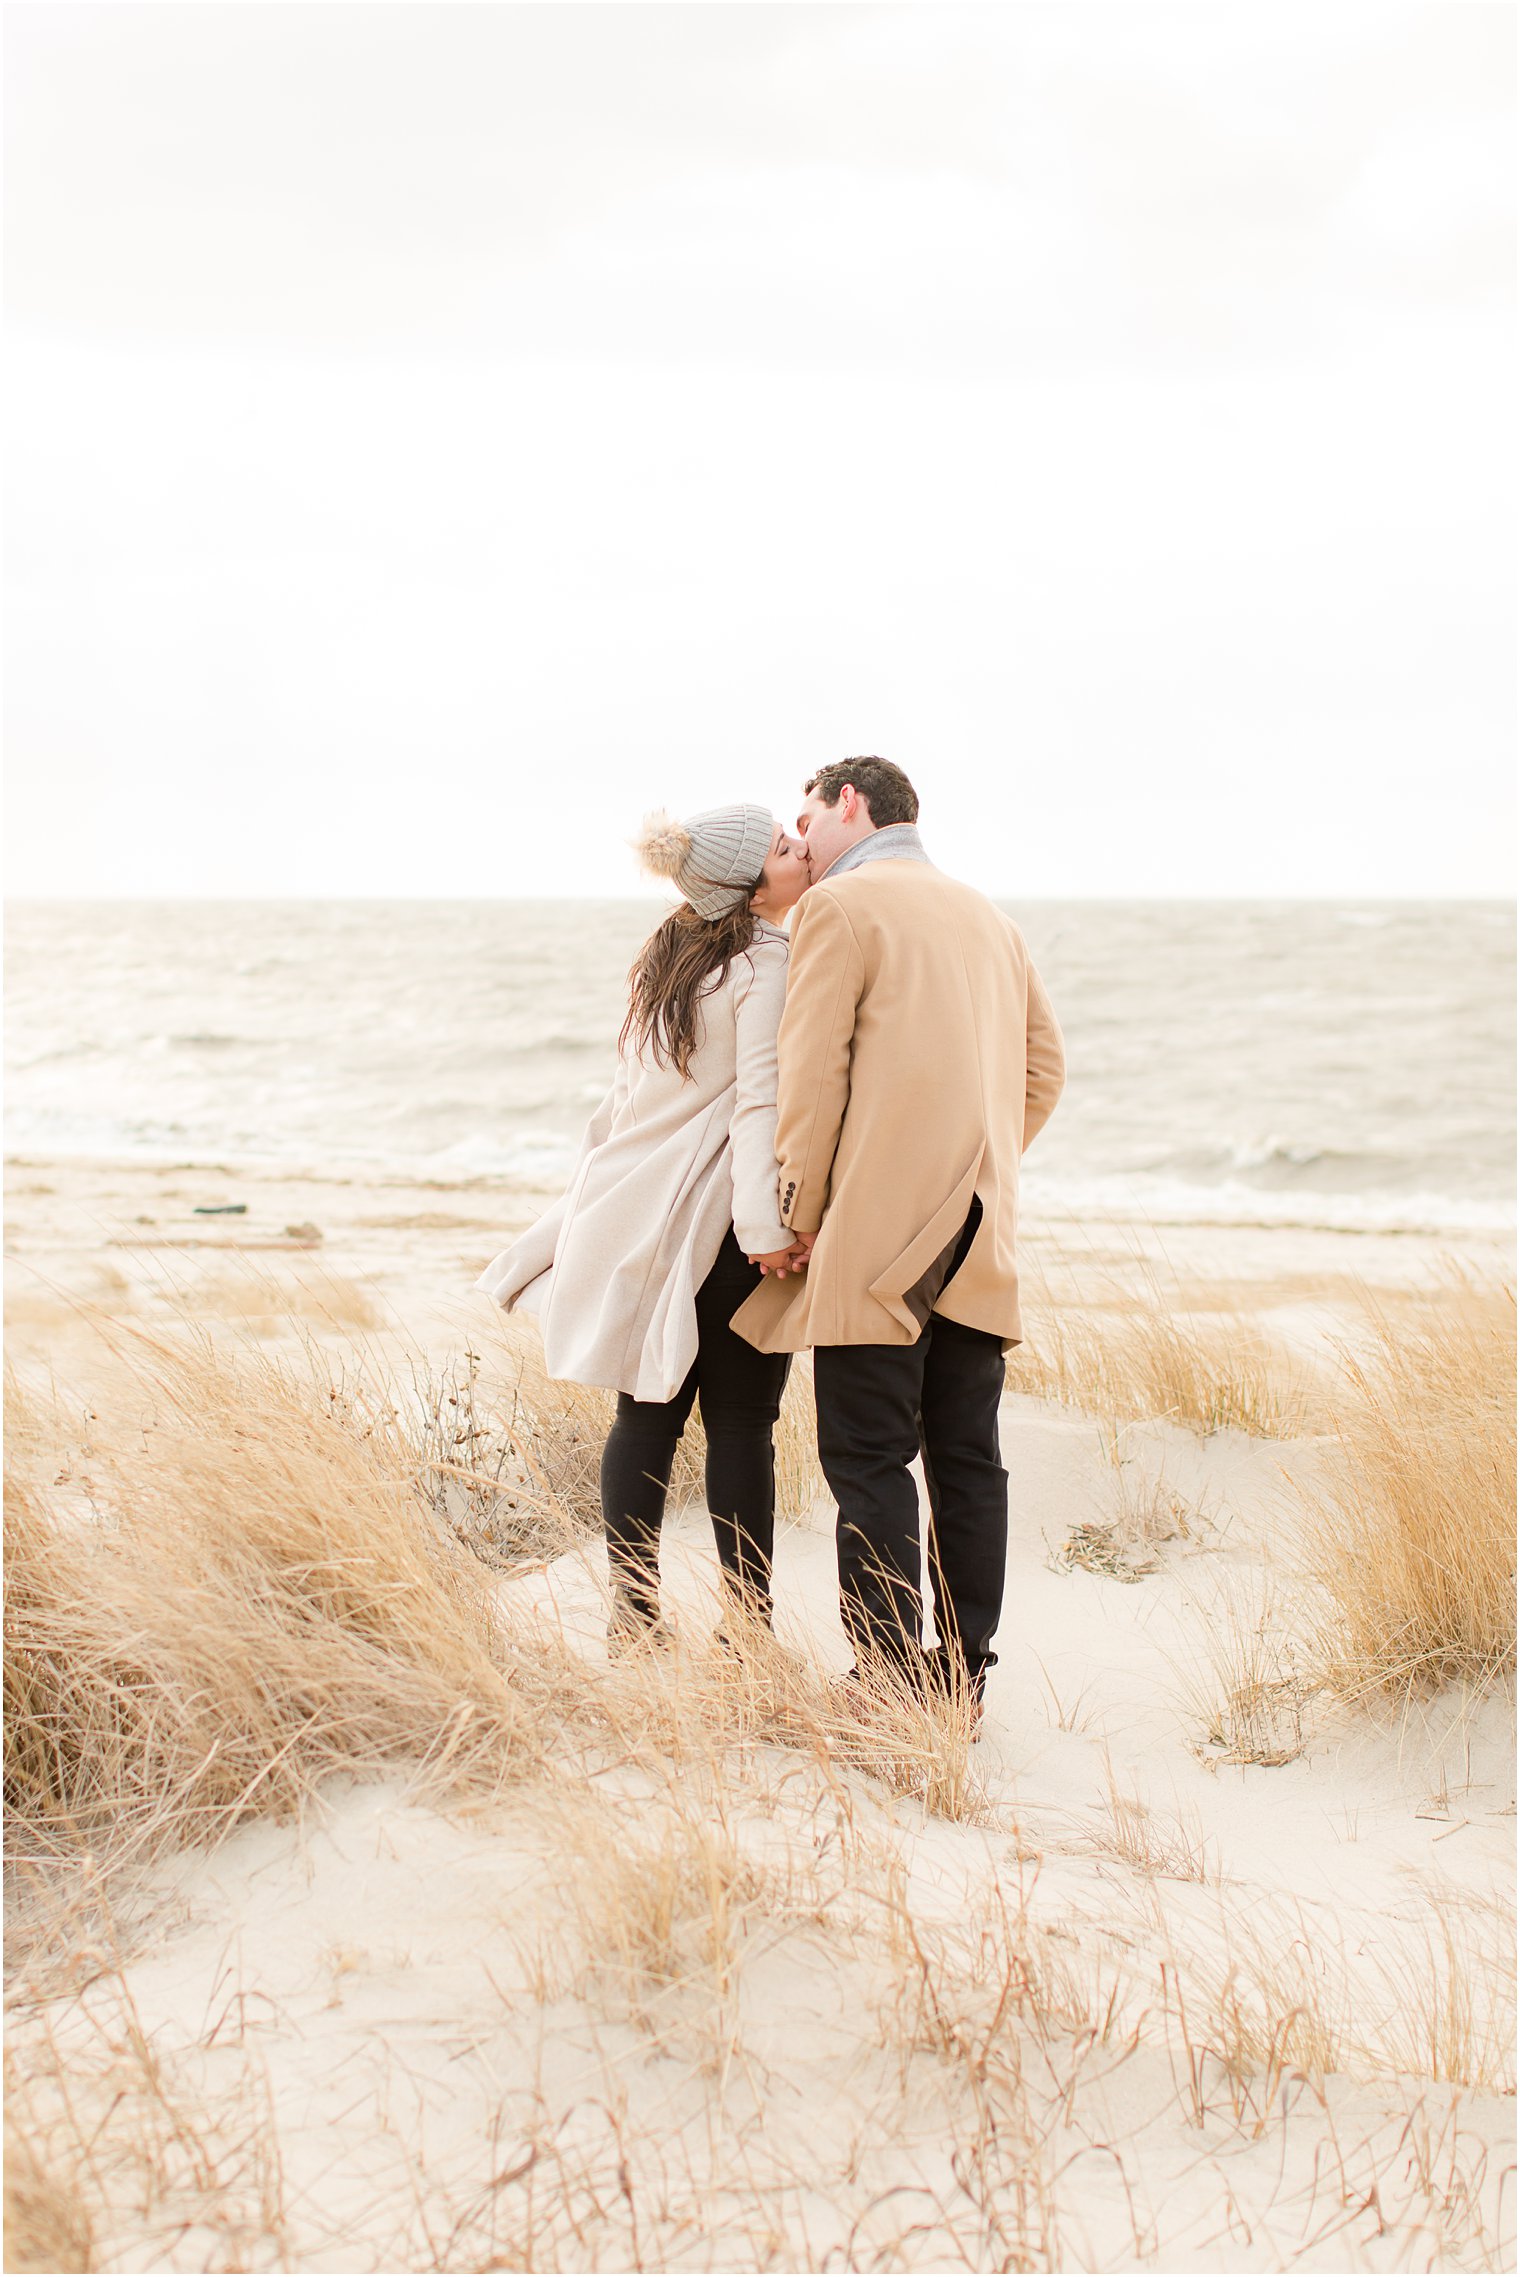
800 1208
761 1240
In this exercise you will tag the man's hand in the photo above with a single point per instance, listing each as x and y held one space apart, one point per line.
784 1261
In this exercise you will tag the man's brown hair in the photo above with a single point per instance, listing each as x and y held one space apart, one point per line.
888 794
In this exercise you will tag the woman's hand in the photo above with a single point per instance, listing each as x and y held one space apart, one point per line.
782 1261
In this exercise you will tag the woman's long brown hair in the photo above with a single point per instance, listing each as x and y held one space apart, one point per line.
683 960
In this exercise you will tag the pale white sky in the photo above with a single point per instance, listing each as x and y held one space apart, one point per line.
440 432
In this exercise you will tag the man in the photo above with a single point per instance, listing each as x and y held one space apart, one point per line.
918 1057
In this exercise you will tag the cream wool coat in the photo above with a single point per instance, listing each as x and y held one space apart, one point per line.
919 1056
666 1166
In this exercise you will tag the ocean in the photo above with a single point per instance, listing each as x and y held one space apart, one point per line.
1338 1064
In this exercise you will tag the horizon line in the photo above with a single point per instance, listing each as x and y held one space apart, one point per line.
75 899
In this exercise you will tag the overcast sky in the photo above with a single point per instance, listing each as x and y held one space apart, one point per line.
439 433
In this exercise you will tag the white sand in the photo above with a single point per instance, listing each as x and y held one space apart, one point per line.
402 2014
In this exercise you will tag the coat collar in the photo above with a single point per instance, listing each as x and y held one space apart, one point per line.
895 842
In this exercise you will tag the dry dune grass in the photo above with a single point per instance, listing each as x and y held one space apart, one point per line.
267 1303
1412 1534
46 2227
1144 1517
202 2172
664 1914
976 2137
1170 1844
219 1602
1449 2012
1409 1532
34 1304
1144 1351
716 1906
1253 1992
1249 1681
255 1301
232 1583
500 1432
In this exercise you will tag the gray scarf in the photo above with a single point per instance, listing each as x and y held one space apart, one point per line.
896 842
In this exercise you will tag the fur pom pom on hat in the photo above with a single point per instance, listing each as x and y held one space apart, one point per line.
714 857
663 845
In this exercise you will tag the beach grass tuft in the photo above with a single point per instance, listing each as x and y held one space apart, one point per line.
1145 1356
218 1595
1410 1533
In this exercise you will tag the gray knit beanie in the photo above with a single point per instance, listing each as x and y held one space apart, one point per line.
715 857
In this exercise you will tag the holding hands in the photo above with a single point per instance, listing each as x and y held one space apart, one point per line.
784 1261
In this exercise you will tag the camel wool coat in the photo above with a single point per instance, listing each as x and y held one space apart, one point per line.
667 1164
919 1055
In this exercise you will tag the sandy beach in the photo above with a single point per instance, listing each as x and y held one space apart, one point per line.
1192 1962
402 1251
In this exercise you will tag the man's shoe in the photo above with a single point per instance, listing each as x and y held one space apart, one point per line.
866 1699
631 1631
757 1646
957 1686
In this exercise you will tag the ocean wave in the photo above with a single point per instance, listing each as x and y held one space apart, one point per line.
1270 1164
1276 1153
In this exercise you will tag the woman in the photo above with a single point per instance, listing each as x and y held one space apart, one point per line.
670 1218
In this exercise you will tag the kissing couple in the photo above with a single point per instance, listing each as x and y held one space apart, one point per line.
812 1142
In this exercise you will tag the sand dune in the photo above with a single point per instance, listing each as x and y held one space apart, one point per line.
1197 1961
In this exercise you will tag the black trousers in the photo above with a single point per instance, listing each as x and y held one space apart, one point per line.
739 1390
879 1405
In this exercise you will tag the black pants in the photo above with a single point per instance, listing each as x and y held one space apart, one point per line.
879 1405
740 1393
